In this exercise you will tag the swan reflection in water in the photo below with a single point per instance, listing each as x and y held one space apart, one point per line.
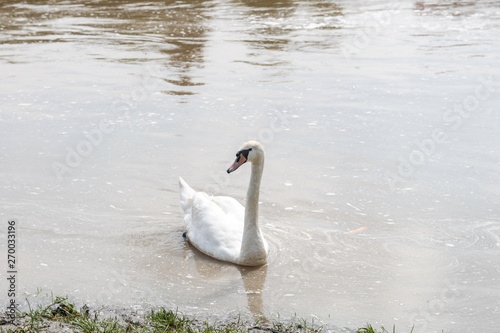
253 278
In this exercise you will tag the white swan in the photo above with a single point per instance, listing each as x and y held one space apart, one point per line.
220 226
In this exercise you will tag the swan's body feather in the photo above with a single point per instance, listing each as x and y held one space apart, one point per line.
214 224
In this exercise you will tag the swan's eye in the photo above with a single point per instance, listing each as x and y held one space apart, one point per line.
243 152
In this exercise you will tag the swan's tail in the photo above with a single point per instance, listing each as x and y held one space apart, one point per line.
186 193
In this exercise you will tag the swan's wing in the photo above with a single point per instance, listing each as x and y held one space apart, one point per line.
230 206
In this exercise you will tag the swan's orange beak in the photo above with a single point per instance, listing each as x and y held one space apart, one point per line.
239 161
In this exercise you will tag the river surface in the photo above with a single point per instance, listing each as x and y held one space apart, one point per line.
381 192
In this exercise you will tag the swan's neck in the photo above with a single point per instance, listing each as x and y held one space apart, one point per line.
253 244
252 201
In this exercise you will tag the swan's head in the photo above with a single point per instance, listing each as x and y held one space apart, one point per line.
251 151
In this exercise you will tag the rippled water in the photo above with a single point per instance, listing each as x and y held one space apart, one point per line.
380 197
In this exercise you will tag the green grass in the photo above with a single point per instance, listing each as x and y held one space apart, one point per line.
61 313
169 321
